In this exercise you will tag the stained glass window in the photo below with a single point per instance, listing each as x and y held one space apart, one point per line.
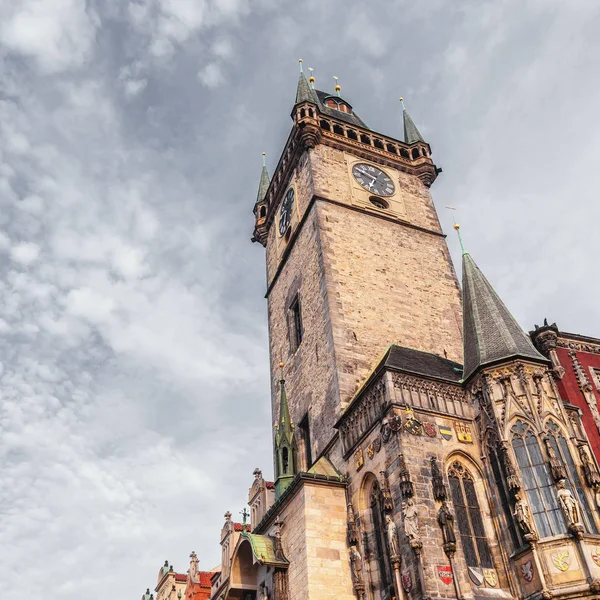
468 517
536 482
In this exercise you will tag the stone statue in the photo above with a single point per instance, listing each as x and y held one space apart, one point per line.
356 566
411 520
446 522
568 503
193 572
523 516
392 536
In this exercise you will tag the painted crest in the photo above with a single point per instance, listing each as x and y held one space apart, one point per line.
371 450
406 580
445 573
412 424
475 575
446 432
377 444
429 429
386 431
359 459
491 577
596 556
463 432
527 570
561 559
395 423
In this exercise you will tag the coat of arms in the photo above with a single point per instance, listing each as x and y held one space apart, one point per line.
412 425
406 581
446 432
429 429
445 573
561 559
377 444
463 432
395 423
527 570
475 575
359 459
491 577
596 556
371 450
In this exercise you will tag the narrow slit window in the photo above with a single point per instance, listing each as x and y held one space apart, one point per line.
296 330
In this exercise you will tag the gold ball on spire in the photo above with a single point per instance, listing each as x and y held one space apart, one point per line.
281 365
311 79
401 99
337 88
264 153
456 226
299 60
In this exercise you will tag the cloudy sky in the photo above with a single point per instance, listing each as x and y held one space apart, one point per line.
133 345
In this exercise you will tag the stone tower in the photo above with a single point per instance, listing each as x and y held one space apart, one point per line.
356 258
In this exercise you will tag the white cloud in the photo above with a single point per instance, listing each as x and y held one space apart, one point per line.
211 75
25 253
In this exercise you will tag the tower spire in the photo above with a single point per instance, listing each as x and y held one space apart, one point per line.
490 333
285 443
411 133
303 92
264 182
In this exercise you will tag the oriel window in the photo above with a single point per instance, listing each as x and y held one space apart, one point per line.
468 516
537 482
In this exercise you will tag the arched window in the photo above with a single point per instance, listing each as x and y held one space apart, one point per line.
537 482
285 460
503 493
573 481
380 539
468 516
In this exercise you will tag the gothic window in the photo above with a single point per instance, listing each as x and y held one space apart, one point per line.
503 495
285 460
380 539
295 323
537 482
573 481
468 516
304 428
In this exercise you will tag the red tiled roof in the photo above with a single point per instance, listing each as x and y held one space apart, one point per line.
270 485
240 527
180 577
205 578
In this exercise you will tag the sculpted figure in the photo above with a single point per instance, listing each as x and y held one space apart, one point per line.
446 523
356 566
568 503
411 520
523 515
392 536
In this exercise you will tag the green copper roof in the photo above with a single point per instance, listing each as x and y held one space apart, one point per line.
324 467
490 332
263 185
411 133
263 549
285 428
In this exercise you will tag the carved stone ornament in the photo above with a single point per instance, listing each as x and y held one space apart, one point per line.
280 584
411 520
386 495
356 568
392 537
512 478
352 528
445 520
406 485
556 466
523 518
386 431
570 508
440 493
592 478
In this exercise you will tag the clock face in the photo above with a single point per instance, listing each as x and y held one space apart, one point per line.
286 211
373 179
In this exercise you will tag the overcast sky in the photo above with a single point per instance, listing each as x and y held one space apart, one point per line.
134 386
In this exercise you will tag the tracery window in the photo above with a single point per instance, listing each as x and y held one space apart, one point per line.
573 481
503 494
468 516
380 539
537 482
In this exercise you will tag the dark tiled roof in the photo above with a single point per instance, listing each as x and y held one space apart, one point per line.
351 118
411 133
490 332
423 363
303 92
263 185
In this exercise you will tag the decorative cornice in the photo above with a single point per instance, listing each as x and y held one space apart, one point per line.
578 346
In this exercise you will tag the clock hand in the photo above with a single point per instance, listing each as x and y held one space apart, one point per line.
367 174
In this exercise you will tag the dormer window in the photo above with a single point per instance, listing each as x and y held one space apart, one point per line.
338 104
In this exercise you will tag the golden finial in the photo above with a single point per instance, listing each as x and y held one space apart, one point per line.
337 85
311 79
300 63
456 228
281 365
402 102
264 159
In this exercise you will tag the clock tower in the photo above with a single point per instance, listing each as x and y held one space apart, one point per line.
356 260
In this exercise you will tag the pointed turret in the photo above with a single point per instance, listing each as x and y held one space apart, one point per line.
261 206
304 92
490 333
411 133
285 444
